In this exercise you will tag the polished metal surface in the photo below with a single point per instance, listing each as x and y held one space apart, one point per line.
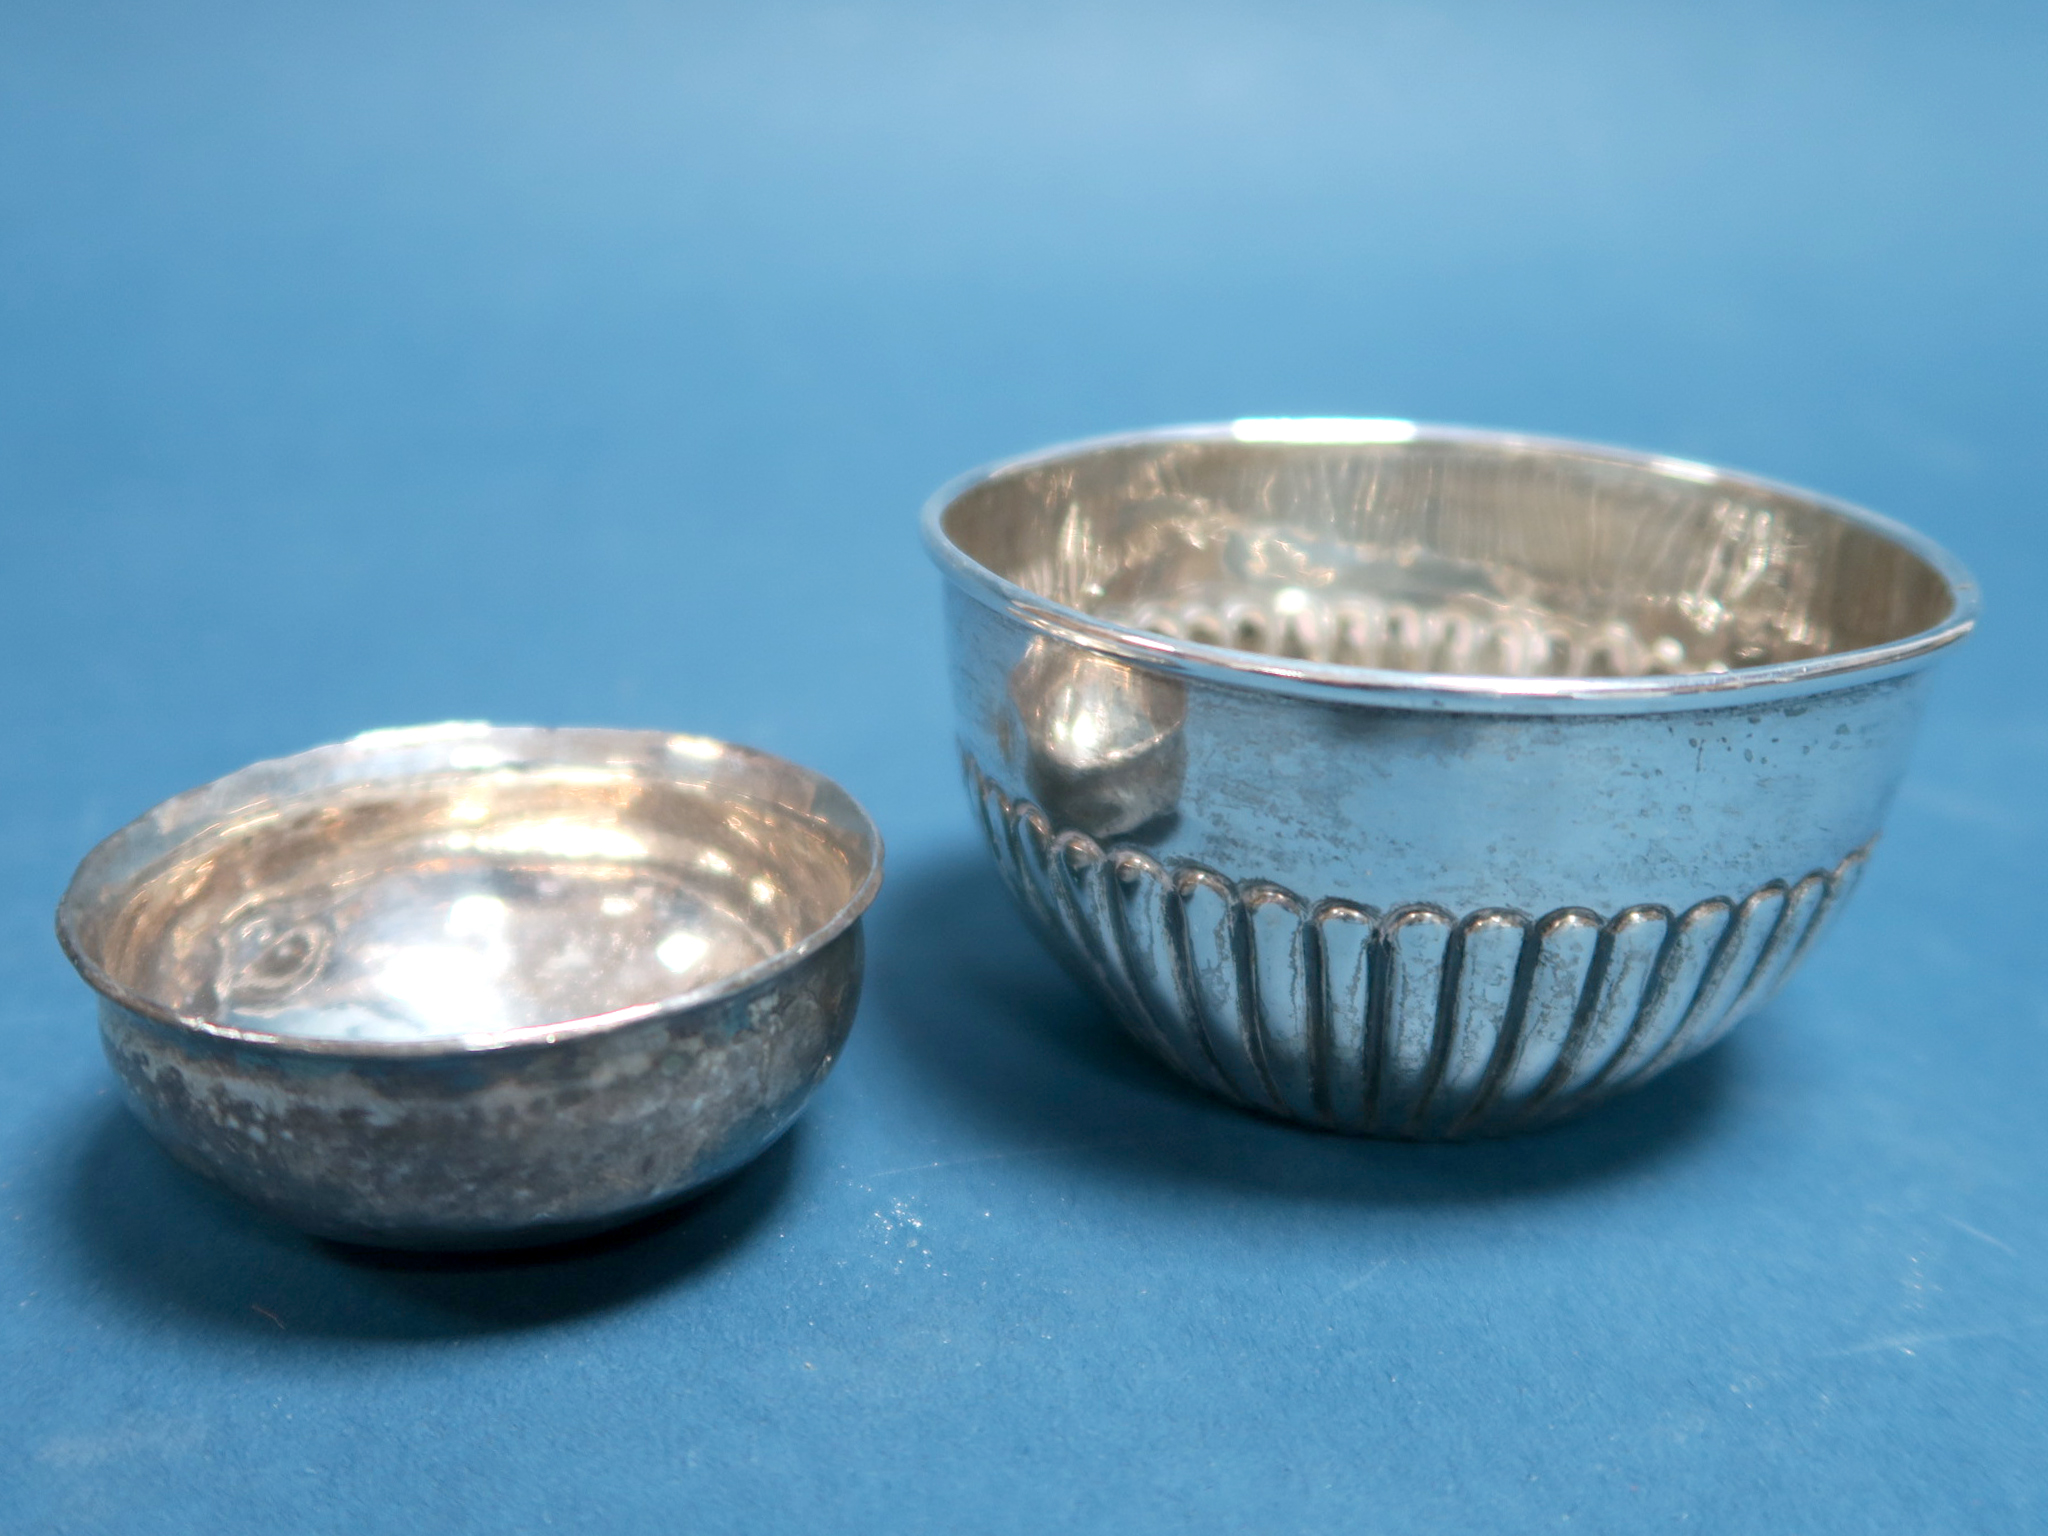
473 985
1422 781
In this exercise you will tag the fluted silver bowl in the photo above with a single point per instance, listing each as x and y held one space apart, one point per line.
473 986
1426 782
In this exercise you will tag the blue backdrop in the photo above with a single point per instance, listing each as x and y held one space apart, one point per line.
586 363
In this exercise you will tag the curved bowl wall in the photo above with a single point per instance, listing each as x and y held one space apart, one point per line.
1427 903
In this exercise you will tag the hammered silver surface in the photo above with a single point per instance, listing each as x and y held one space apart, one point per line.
471 985
533 1143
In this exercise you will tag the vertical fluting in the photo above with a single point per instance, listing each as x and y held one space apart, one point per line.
1480 991
1412 1022
1802 908
1624 968
1689 949
1031 852
1346 933
1147 925
1287 997
1557 969
1842 883
1213 959
1755 922
1409 994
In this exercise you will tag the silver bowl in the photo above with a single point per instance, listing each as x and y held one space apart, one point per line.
1424 782
465 986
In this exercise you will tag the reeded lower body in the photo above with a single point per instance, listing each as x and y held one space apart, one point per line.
1412 1022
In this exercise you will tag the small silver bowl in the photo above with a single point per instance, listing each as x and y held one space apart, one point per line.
1423 782
466 986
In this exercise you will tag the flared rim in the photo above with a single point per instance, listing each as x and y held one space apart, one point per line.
1443 690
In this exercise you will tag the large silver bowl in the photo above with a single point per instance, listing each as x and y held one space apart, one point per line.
464 986
1425 782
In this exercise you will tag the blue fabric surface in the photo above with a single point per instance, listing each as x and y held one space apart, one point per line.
369 365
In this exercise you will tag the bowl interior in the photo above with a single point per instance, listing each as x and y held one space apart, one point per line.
1450 553
416 900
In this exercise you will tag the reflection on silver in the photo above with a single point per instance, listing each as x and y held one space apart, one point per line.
1505 772
1103 747
476 985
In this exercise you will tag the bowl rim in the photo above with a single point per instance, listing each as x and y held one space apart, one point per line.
1454 692
840 810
